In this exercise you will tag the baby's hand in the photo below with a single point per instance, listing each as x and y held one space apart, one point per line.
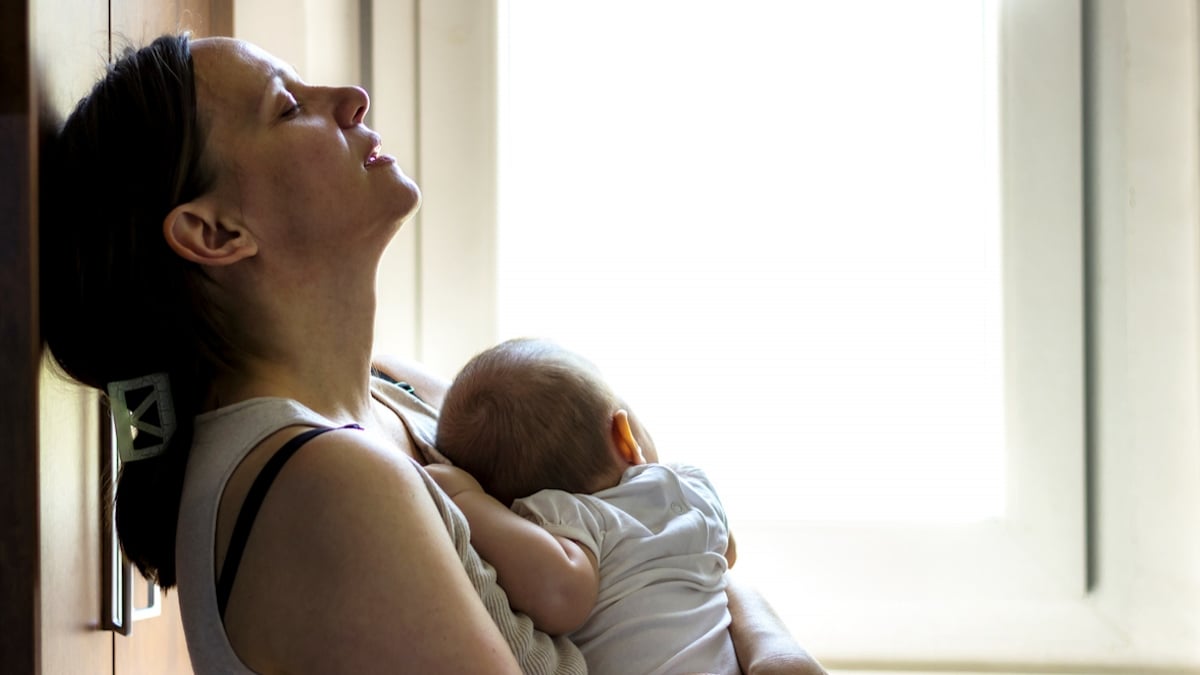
452 479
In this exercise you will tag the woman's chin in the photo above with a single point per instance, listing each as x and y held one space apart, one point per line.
408 196
411 204
405 209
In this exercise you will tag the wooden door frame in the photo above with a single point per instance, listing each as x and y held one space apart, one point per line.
20 338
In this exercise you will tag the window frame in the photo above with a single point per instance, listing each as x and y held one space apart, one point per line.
1019 592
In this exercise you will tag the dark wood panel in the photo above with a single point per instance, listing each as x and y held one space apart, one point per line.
138 22
70 46
51 523
20 637
72 569
70 51
14 58
156 646
208 17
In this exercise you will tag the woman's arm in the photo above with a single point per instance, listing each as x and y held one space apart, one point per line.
763 644
350 569
552 579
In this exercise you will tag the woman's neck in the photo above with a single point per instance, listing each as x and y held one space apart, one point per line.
337 388
310 344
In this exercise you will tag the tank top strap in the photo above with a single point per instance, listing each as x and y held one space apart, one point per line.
251 506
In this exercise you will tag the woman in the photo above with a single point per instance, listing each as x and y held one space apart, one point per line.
211 230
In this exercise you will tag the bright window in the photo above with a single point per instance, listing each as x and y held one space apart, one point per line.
831 251
776 230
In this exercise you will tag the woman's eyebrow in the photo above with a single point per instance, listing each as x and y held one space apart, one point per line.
278 74
266 103
285 73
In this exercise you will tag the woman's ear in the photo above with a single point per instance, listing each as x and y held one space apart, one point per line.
623 440
195 233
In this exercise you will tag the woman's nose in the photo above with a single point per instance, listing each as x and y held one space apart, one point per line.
352 105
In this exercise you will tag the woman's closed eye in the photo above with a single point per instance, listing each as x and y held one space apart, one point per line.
291 110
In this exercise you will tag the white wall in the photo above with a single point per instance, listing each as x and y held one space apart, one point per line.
320 38
1146 201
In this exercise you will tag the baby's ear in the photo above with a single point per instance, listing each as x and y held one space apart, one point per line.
622 436
195 233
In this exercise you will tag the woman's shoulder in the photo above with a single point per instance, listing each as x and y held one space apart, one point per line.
334 459
341 469
346 478
349 445
349 523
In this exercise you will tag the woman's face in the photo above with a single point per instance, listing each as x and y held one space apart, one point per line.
295 165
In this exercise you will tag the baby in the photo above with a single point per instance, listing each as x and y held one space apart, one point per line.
636 551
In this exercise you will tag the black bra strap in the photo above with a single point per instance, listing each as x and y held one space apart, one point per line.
250 507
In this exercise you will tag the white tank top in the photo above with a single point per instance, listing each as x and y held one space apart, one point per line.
223 437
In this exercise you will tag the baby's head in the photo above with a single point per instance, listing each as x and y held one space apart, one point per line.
527 415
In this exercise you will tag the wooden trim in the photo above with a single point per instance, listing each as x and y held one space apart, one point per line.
221 17
206 18
20 647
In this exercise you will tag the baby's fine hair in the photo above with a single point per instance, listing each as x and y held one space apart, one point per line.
528 415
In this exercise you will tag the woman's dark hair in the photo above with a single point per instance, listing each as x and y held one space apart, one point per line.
116 302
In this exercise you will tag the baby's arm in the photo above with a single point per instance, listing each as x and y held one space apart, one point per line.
552 579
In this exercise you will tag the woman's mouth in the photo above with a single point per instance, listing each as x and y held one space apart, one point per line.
375 157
